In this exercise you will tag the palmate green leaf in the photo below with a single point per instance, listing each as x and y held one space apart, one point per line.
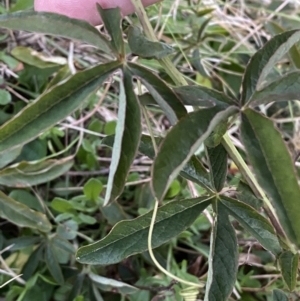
274 169
126 141
52 264
182 141
217 158
52 107
193 170
223 258
283 89
196 95
26 174
112 22
54 24
279 295
130 237
264 60
21 215
145 48
288 262
253 222
106 284
161 92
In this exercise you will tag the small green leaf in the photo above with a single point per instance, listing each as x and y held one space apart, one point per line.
217 158
92 189
130 237
288 262
5 97
279 295
196 95
216 136
283 89
22 215
54 24
253 222
61 205
127 139
108 285
274 169
53 265
264 60
52 107
26 174
86 219
223 258
145 48
182 141
67 230
161 92
112 22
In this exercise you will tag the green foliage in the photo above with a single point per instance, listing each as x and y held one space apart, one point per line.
76 197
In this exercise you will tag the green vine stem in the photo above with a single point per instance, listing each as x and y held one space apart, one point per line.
179 80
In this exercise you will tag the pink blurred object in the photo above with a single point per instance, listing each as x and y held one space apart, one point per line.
85 9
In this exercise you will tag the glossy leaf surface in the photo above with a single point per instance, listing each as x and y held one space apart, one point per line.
223 258
130 237
126 141
21 215
265 146
182 141
52 107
